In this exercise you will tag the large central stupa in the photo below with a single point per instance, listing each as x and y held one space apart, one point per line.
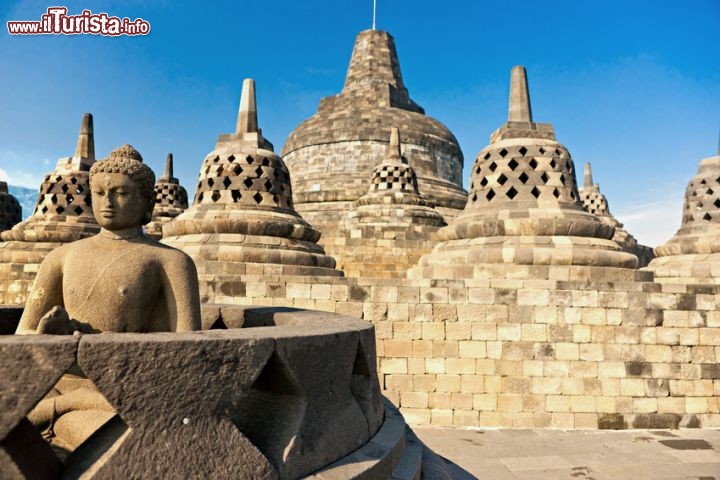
332 154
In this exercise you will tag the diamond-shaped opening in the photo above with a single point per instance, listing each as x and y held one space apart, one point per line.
64 188
236 195
44 209
227 182
544 177
703 182
533 164
512 193
484 182
502 179
219 170
493 167
216 159
248 182
87 200
503 153
562 179
535 192
472 185
513 164
693 194
474 197
557 152
59 209
210 182
231 158
199 197
556 193
487 155
79 190
542 150
568 166
709 191
553 163
215 195
259 171
523 151
258 198
268 185
707 217
53 198
237 169
73 180
265 162
277 400
477 171
490 194
70 199
717 203
523 178
78 210
249 159
65 441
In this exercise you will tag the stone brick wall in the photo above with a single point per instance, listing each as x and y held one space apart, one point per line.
512 352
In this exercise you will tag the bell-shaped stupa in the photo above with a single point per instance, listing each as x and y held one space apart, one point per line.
596 203
242 219
63 213
392 225
171 199
10 209
331 155
523 207
693 254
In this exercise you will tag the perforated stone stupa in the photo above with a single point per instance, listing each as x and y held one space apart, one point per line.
392 225
523 207
242 219
171 199
63 213
692 255
10 210
596 203
332 154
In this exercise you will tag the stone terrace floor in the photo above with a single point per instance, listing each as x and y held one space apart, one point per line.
577 454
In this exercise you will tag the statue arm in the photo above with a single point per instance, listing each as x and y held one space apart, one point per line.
182 293
45 294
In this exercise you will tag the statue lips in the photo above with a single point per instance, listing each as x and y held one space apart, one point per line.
108 213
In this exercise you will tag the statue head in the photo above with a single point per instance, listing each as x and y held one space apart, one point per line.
122 189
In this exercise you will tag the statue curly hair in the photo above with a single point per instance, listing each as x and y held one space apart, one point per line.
128 161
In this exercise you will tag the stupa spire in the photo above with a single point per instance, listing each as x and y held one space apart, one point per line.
393 151
588 180
169 165
86 139
519 109
247 116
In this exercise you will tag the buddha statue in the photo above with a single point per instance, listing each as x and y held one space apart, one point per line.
119 280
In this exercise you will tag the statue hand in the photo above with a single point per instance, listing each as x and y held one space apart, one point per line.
58 322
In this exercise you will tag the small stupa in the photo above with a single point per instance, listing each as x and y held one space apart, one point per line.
596 203
392 225
692 255
63 213
523 207
171 199
332 154
242 218
10 209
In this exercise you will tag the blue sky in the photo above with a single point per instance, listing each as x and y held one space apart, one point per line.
631 86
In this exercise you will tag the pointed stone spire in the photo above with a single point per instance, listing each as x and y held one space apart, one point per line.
247 131
168 177
588 181
84 151
86 140
519 109
393 151
247 116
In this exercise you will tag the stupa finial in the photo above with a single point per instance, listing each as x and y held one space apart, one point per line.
519 109
247 117
86 139
169 166
588 182
393 150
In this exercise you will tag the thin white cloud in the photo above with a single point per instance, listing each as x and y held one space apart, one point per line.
653 223
3 175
